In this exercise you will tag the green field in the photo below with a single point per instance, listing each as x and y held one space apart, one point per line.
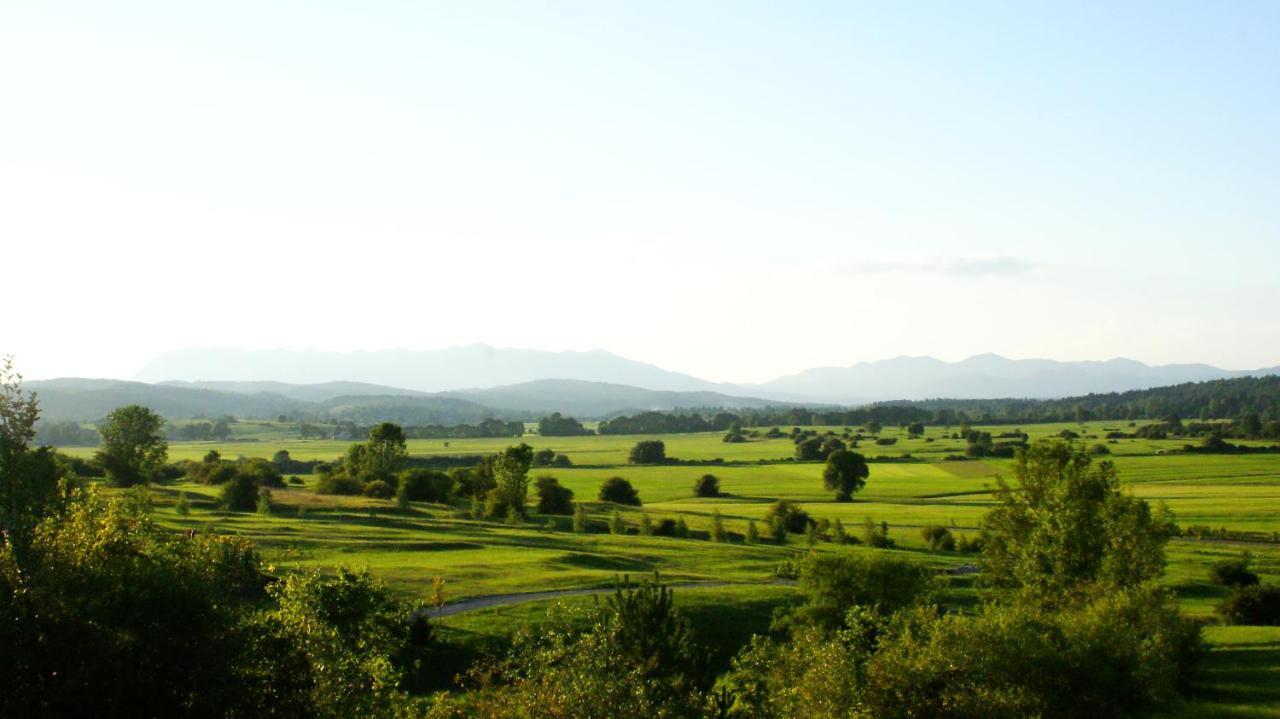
479 558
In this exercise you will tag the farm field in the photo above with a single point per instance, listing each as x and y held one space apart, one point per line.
478 558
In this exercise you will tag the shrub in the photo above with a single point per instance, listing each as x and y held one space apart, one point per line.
717 527
616 525
651 451
753 534
832 584
1257 604
933 535
707 486
182 506
886 441
877 535
553 497
1233 572
240 494
1122 654
619 491
379 489
792 518
425 485
339 483
666 528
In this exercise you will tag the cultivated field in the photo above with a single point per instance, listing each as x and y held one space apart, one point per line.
912 486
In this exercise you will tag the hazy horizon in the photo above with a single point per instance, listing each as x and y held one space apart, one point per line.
735 191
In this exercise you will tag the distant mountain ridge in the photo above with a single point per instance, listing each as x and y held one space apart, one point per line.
454 368
90 399
985 376
463 371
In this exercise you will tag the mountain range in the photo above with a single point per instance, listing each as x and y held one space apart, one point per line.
465 370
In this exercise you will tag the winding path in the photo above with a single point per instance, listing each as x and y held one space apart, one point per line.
502 600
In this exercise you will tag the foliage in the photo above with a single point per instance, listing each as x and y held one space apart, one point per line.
1117 655
1257 604
846 472
31 481
425 485
636 659
937 537
717 527
553 497
789 514
240 494
511 475
708 485
1234 572
651 451
132 449
102 590
355 642
833 584
619 491
554 425
1067 525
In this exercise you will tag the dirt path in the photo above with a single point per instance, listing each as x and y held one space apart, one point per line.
502 600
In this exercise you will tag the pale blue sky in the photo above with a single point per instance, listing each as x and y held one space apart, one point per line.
735 190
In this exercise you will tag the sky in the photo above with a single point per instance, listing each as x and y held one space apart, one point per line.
736 190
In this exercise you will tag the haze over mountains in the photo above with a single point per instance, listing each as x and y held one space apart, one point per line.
469 384
473 367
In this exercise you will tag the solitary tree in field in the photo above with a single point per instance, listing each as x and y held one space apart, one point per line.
619 491
846 472
133 451
651 451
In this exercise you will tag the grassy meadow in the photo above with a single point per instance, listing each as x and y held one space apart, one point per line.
910 486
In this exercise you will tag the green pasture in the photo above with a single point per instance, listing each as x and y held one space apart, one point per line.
410 549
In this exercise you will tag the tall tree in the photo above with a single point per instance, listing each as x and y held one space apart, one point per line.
385 451
846 472
1066 526
511 471
28 478
133 449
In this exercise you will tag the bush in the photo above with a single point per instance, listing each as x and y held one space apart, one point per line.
936 536
425 485
1122 654
339 483
240 494
379 489
619 491
651 451
788 515
553 497
1233 572
707 486
1257 604
666 528
832 584
886 441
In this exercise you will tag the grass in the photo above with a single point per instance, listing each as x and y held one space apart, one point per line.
477 558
